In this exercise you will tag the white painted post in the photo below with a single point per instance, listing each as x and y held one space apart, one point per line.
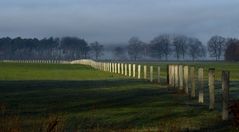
139 71
113 67
225 94
185 73
168 75
125 68
151 74
122 68
176 75
180 68
211 85
171 75
133 70
129 70
103 66
158 74
192 78
118 68
145 72
110 67
201 88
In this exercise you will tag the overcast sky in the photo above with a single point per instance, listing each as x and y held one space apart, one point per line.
115 21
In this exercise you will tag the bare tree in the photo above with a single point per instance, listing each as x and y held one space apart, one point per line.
97 49
135 48
216 46
160 46
180 45
232 50
195 48
146 49
119 53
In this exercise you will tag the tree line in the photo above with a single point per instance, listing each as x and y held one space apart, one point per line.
66 48
161 47
179 47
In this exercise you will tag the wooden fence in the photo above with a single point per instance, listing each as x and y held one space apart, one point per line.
40 61
181 77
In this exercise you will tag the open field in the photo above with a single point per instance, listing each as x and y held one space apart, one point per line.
17 71
77 97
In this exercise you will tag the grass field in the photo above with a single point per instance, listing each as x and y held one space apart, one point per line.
37 97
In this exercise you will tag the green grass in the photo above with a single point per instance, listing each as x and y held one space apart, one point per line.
17 71
81 98
115 104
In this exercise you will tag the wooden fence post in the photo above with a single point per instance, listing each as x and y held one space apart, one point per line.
211 85
145 72
133 70
125 68
139 71
130 70
176 75
169 75
180 68
185 73
168 82
201 87
225 94
113 67
151 74
158 74
116 69
119 68
173 75
110 66
122 68
192 80
104 66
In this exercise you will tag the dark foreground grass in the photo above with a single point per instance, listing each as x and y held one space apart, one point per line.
47 97
102 105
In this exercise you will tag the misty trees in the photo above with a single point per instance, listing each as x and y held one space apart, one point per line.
195 48
47 48
119 53
167 45
97 49
232 50
160 46
180 45
216 46
135 48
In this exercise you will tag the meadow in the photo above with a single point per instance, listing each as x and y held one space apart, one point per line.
65 97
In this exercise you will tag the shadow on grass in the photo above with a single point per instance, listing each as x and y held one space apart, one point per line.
104 103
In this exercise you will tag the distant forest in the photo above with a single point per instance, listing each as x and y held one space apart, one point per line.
162 47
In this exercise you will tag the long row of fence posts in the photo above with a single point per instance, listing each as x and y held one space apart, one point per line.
131 70
187 82
181 77
37 61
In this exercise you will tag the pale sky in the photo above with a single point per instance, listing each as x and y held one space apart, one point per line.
115 21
